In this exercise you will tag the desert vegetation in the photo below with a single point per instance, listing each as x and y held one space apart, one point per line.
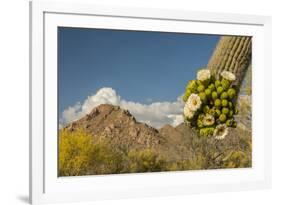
83 154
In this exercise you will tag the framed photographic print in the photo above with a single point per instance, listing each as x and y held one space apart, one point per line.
130 102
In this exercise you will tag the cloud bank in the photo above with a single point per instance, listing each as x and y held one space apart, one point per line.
155 114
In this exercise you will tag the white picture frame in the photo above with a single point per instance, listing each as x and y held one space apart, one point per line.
46 187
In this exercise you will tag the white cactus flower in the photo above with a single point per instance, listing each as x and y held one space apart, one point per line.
194 102
228 75
221 132
208 120
203 74
187 112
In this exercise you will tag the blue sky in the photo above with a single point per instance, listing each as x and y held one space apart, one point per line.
142 67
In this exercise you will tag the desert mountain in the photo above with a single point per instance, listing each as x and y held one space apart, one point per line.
118 125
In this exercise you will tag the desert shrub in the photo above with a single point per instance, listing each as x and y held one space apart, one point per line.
105 158
195 163
145 160
237 159
83 154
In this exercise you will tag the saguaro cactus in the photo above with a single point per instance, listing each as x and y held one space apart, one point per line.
232 53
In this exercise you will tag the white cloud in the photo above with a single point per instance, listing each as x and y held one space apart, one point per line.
156 114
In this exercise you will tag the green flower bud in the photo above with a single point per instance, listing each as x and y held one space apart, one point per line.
212 111
200 88
234 124
218 103
186 95
229 123
200 117
218 112
206 83
192 86
199 82
217 83
211 130
206 109
220 90
231 93
208 92
214 95
222 117
224 95
224 103
212 87
206 132
225 84
236 111
199 123
203 97
230 105
202 132
230 114
225 110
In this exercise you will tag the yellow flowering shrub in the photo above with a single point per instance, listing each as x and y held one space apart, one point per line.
83 154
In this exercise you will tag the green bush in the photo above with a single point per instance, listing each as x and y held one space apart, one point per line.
145 160
237 159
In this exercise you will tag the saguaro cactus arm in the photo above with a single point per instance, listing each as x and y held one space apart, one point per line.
232 53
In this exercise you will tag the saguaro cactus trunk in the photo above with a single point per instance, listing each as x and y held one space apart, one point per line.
232 53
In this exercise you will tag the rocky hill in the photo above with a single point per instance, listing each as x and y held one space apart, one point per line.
119 126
